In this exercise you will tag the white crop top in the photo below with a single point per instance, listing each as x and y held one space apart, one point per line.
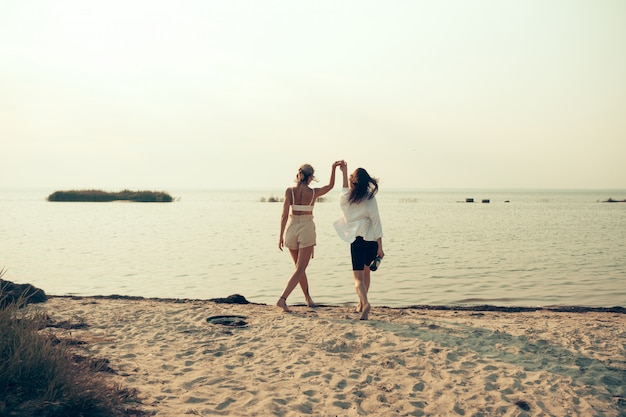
300 207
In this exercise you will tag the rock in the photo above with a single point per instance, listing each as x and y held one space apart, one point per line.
11 293
231 299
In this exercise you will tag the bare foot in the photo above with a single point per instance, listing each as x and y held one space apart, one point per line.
359 307
366 312
310 302
282 303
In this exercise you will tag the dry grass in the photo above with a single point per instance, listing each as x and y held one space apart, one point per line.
41 377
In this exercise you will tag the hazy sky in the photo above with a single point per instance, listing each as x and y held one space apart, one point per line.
237 94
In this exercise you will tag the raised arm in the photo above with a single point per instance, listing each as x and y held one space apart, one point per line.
331 183
344 170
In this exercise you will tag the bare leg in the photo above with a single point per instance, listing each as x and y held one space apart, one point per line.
304 282
366 282
304 255
361 291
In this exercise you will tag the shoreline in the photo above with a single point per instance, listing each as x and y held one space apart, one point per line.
200 357
432 307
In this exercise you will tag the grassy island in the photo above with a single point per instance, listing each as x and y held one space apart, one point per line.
104 196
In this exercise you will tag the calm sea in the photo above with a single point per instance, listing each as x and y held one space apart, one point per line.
521 248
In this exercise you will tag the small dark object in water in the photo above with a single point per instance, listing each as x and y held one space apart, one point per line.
230 321
523 405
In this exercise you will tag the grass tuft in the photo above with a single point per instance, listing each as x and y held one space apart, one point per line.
41 377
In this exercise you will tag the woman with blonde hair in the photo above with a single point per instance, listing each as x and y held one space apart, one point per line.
299 236
361 227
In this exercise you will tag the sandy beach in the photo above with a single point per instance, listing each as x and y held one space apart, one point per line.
324 362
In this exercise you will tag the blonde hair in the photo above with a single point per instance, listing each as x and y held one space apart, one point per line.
305 174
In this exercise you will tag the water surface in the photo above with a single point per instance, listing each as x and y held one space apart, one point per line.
522 248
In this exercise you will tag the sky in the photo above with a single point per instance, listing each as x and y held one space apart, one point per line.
201 94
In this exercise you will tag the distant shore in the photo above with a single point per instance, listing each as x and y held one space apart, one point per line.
201 357
99 196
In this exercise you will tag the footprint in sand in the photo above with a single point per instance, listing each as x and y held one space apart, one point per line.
224 404
310 374
341 385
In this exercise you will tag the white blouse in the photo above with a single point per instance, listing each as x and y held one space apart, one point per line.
359 219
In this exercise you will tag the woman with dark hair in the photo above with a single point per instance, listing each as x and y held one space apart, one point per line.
361 227
300 235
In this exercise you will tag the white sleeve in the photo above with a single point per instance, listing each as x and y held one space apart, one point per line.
376 228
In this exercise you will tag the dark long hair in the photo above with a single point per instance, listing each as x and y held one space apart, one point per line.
364 187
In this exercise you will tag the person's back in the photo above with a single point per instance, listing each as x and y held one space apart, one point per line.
300 236
359 218
361 227
303 192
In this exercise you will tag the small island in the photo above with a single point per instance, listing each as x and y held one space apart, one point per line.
99 196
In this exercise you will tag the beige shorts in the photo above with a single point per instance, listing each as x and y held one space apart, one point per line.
300 232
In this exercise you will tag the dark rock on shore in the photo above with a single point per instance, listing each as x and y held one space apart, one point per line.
25 293
231 299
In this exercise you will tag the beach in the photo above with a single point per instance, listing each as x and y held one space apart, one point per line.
254 360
